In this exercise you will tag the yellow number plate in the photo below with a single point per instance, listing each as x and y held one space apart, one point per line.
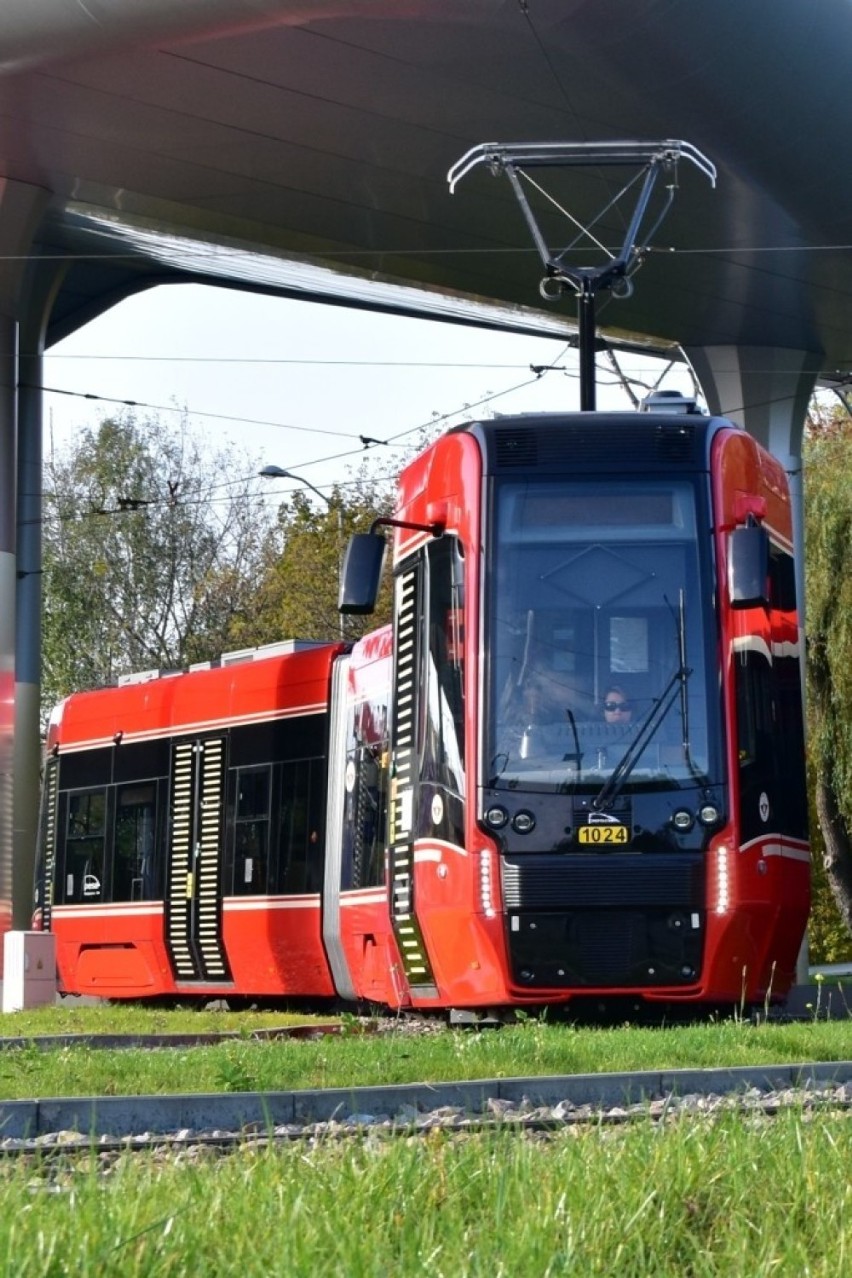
603 834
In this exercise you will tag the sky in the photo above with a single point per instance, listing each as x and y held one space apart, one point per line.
294 384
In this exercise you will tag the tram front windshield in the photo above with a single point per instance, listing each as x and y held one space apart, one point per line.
598 638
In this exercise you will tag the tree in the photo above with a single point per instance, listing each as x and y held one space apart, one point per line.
297 589
151 550
828 541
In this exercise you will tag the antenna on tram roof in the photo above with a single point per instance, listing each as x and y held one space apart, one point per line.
615 272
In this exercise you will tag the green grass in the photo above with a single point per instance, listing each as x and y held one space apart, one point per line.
73 1017
703 1196
723 1196
360 1059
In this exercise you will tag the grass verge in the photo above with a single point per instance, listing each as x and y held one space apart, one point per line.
715 1196
533 1047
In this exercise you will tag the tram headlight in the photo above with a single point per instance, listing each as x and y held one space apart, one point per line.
496 817
709 814
682 820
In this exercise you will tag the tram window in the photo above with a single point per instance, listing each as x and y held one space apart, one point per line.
754 708
86 769
300 860
365 812
593 585
565 649
134 873
251 831
443 744
85 834
628 645
789 740
373 786
782 580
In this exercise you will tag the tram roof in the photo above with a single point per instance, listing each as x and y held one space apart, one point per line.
277 682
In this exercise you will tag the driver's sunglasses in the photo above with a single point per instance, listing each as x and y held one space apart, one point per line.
616 705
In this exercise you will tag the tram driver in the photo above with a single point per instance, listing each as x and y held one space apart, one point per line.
617 706
541 714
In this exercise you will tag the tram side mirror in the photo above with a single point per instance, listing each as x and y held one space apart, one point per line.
361 574
748 566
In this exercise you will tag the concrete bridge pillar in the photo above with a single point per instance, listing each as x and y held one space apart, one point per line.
21 208
42 285
8 378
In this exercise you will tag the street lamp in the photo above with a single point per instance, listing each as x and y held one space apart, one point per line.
278 472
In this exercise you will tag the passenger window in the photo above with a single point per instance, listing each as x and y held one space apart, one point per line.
365 814
84 847
301 829
134 875
251 846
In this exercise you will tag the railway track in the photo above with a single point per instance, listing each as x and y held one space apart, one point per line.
63 1145
110 1126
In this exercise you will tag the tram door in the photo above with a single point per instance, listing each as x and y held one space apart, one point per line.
356 923
194 887
332 922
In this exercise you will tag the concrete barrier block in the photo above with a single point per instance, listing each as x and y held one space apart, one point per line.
29 978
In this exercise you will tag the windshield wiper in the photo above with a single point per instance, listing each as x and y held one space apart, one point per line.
574 754
655 716
615 783
694 770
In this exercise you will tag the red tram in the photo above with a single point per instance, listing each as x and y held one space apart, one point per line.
443 816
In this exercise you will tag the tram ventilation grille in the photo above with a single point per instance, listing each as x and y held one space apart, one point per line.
516 448
638 444
603 882
675 443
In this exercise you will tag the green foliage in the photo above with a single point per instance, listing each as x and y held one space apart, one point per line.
157 554
828 543
151 549
828 506
297 589
829 939
828 936
237 1068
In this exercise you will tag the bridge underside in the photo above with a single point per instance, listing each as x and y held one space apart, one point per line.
300 147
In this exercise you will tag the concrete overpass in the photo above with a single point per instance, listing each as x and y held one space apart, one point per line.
301 146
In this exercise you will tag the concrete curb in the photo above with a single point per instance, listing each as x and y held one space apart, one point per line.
126 1116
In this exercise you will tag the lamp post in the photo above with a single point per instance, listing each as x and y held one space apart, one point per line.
278 472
